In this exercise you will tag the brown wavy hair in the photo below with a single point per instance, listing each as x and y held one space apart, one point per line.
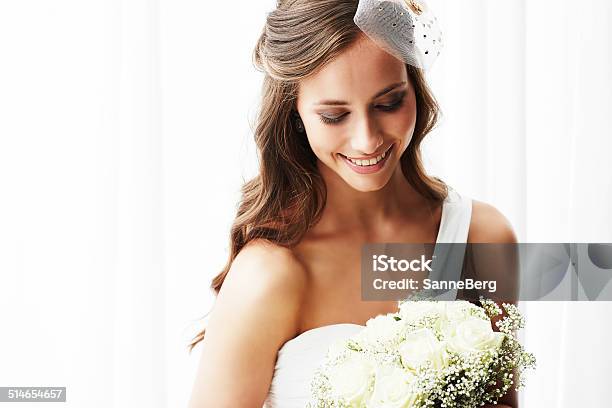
288 195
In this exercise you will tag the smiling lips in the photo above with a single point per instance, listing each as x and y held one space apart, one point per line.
371 165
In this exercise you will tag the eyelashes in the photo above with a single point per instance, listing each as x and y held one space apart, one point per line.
384 108
331 121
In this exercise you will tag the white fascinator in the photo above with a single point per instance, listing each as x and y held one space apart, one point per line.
406 29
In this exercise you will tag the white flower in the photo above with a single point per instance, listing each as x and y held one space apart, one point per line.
351 380
456 312
394 388
459 309
363 371
411 311
421 346
474 335
381 329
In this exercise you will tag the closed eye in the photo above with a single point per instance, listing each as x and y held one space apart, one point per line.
393 106
399 101
329 121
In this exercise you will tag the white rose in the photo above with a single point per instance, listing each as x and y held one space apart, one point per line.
394 388
382 328
351 380
412 311
459 309
474 335
421 346
456 312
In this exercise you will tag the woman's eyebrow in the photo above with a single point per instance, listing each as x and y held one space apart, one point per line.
379 94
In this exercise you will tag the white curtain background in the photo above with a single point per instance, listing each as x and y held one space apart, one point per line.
125 137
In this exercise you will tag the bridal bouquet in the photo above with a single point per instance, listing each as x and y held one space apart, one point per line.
428 354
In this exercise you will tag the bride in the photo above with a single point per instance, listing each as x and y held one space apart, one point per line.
338 135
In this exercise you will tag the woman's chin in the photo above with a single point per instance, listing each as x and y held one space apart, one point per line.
365 185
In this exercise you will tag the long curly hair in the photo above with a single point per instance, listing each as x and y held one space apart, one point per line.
288 195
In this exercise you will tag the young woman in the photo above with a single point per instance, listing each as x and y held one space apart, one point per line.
338 136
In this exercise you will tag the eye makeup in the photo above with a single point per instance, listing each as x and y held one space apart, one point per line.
396 104
330 121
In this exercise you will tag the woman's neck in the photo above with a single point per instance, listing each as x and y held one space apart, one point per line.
370 213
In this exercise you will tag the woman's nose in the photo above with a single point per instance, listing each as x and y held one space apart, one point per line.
366 138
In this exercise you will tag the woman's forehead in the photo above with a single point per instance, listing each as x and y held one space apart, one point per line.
359 72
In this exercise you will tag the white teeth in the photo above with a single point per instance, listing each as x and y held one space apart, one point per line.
368 162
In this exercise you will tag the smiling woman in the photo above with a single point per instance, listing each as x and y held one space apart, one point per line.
338 134
360 121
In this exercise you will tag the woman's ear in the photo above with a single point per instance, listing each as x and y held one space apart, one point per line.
297 121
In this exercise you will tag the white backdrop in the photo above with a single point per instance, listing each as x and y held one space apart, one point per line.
125 136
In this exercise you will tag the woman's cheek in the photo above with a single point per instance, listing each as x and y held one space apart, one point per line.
323 144
395 128
405 122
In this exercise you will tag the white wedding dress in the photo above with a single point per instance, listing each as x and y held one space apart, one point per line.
298 358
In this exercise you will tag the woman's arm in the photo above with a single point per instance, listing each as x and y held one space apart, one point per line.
496 262
255 312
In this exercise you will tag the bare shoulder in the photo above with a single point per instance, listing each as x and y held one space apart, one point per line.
268 267
270 277
488 224
255 313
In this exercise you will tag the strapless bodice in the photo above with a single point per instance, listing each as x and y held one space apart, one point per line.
297 361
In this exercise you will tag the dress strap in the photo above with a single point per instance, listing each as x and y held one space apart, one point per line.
456 218
454 228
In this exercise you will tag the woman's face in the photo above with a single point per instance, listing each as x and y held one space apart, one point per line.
359 113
